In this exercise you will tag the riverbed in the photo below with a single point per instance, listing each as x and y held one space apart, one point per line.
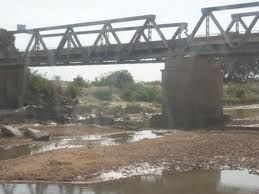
82 141
157 158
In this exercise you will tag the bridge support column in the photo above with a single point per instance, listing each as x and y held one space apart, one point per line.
12 86
192 92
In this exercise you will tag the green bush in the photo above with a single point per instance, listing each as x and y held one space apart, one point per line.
237 90
103 94
141 92
239 93
72 90
127 88
38 87
118 79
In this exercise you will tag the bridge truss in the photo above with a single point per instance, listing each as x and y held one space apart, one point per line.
70 49
142 47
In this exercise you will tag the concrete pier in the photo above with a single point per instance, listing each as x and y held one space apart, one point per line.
12 86
192 92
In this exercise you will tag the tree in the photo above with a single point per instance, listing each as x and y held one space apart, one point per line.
118 79
80 82
242 69
38 86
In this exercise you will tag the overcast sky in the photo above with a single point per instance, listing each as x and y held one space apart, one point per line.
38 13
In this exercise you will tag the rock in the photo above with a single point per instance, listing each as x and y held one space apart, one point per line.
158 121
106 120
10 131
133 108
37 134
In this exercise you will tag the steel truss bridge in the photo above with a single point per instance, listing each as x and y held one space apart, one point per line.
108 47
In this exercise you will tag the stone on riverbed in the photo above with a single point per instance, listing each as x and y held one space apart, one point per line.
10 131
106 120
37 135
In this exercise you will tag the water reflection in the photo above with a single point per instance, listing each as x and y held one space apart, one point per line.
241 181
82 141
196 182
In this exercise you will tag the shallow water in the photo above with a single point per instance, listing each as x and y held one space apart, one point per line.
196 182
81 141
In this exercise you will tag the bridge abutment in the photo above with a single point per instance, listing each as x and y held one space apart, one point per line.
192 92
12 86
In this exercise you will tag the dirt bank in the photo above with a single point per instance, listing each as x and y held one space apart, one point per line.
183 151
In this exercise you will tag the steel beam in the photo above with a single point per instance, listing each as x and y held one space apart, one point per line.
94 23
229 7
252 24
247 14
132 28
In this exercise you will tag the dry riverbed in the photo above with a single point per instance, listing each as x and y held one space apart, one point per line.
182 151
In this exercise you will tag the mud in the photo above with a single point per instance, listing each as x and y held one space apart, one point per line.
84 138
182 151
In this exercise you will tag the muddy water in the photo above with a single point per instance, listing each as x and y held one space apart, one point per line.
81 141
196 182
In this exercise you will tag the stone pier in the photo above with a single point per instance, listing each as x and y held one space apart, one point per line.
192 92
12 86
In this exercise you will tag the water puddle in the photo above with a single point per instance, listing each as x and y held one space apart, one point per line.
195 182
88 141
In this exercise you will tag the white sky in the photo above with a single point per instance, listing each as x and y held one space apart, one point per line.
38 13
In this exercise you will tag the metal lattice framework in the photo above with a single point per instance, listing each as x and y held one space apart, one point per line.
98 52
142 47
208 15
237 20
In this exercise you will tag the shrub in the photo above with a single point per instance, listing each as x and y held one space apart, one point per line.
38 87
118 79
103 94
128 89
141 92
72 90
237 93
80 82
237 90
